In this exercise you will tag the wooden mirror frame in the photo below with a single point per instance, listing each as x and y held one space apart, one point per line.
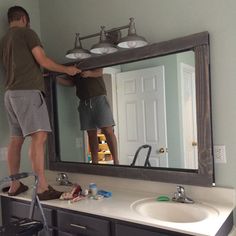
204 175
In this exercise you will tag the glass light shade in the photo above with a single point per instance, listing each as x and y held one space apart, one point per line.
104 46
78 53
132 41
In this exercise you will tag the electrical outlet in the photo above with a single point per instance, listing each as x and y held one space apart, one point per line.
219 154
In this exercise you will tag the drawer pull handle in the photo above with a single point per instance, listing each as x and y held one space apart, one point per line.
79 226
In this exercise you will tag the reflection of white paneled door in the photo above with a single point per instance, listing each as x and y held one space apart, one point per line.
142 115
189 122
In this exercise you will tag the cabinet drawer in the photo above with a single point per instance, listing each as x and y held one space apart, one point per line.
50 232
64 234
76 223
122 229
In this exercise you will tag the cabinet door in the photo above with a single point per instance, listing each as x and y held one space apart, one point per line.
13 209
122 230
64 234
83 225
50 232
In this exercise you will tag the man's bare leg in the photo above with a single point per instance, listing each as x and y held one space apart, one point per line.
112 143
13 157
36 154
93 143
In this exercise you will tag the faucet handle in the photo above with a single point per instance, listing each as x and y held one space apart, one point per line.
180 196
180 189
62 179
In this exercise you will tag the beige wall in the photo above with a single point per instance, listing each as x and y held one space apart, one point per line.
160 20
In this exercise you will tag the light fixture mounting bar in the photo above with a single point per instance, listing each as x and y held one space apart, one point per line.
107 31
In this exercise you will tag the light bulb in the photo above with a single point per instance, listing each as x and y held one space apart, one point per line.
77 55
104 50
132 44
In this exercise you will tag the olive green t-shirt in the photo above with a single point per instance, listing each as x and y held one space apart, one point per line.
89 87
21 69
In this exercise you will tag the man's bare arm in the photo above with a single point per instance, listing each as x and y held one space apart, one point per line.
69 81
47 63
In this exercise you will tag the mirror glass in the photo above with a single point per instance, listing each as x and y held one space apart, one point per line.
153 102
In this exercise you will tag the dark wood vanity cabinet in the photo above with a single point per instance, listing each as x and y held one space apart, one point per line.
63 222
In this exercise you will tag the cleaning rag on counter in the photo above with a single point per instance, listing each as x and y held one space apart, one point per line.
104 193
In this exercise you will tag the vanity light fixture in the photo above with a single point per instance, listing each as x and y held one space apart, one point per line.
110 41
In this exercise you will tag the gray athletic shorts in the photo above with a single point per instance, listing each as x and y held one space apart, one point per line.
27 112
95 113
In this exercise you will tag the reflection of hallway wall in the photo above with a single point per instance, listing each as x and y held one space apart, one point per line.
71 138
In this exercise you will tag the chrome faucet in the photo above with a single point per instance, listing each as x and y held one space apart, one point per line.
62 179
180 196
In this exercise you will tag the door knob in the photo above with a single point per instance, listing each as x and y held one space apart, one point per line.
194 143
161 150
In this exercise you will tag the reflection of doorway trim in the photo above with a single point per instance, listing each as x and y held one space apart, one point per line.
112 72
188 162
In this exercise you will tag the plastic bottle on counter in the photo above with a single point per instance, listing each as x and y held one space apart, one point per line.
93 189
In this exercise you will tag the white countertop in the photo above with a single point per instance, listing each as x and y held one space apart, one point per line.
119 205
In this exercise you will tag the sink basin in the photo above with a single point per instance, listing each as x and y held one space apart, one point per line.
174 211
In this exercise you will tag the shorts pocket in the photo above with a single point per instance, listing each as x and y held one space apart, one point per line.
38 100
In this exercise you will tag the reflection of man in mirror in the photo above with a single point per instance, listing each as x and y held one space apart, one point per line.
94 110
